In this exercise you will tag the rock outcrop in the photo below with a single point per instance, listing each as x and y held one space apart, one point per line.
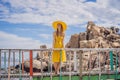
74 41
95 37
37 65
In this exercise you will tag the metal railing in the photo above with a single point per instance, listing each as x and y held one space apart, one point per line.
80 61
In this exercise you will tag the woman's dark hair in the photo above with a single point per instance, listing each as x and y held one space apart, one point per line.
57 33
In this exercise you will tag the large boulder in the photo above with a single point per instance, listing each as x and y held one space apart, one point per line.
115 44
93 31
73 42
42 55
114 30
43 46
37 65
88 43
113 37
83 44
102 43
83 36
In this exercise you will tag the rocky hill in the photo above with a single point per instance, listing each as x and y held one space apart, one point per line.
95 37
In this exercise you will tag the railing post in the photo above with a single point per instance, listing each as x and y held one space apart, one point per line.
50 55
49 62
31 64
41 61
119 59
13 61
75 61
5 62
108 63
90 65
22 62
80 64
60 65
116 70
70 65
20 78
99 65
111 60
9 65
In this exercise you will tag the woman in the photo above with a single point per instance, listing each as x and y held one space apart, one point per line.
58 42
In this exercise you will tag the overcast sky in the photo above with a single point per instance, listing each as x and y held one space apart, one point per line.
27 23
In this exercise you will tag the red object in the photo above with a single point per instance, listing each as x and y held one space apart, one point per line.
31 64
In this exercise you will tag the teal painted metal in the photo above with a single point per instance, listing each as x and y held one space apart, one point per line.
5 61
111 60
60 64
